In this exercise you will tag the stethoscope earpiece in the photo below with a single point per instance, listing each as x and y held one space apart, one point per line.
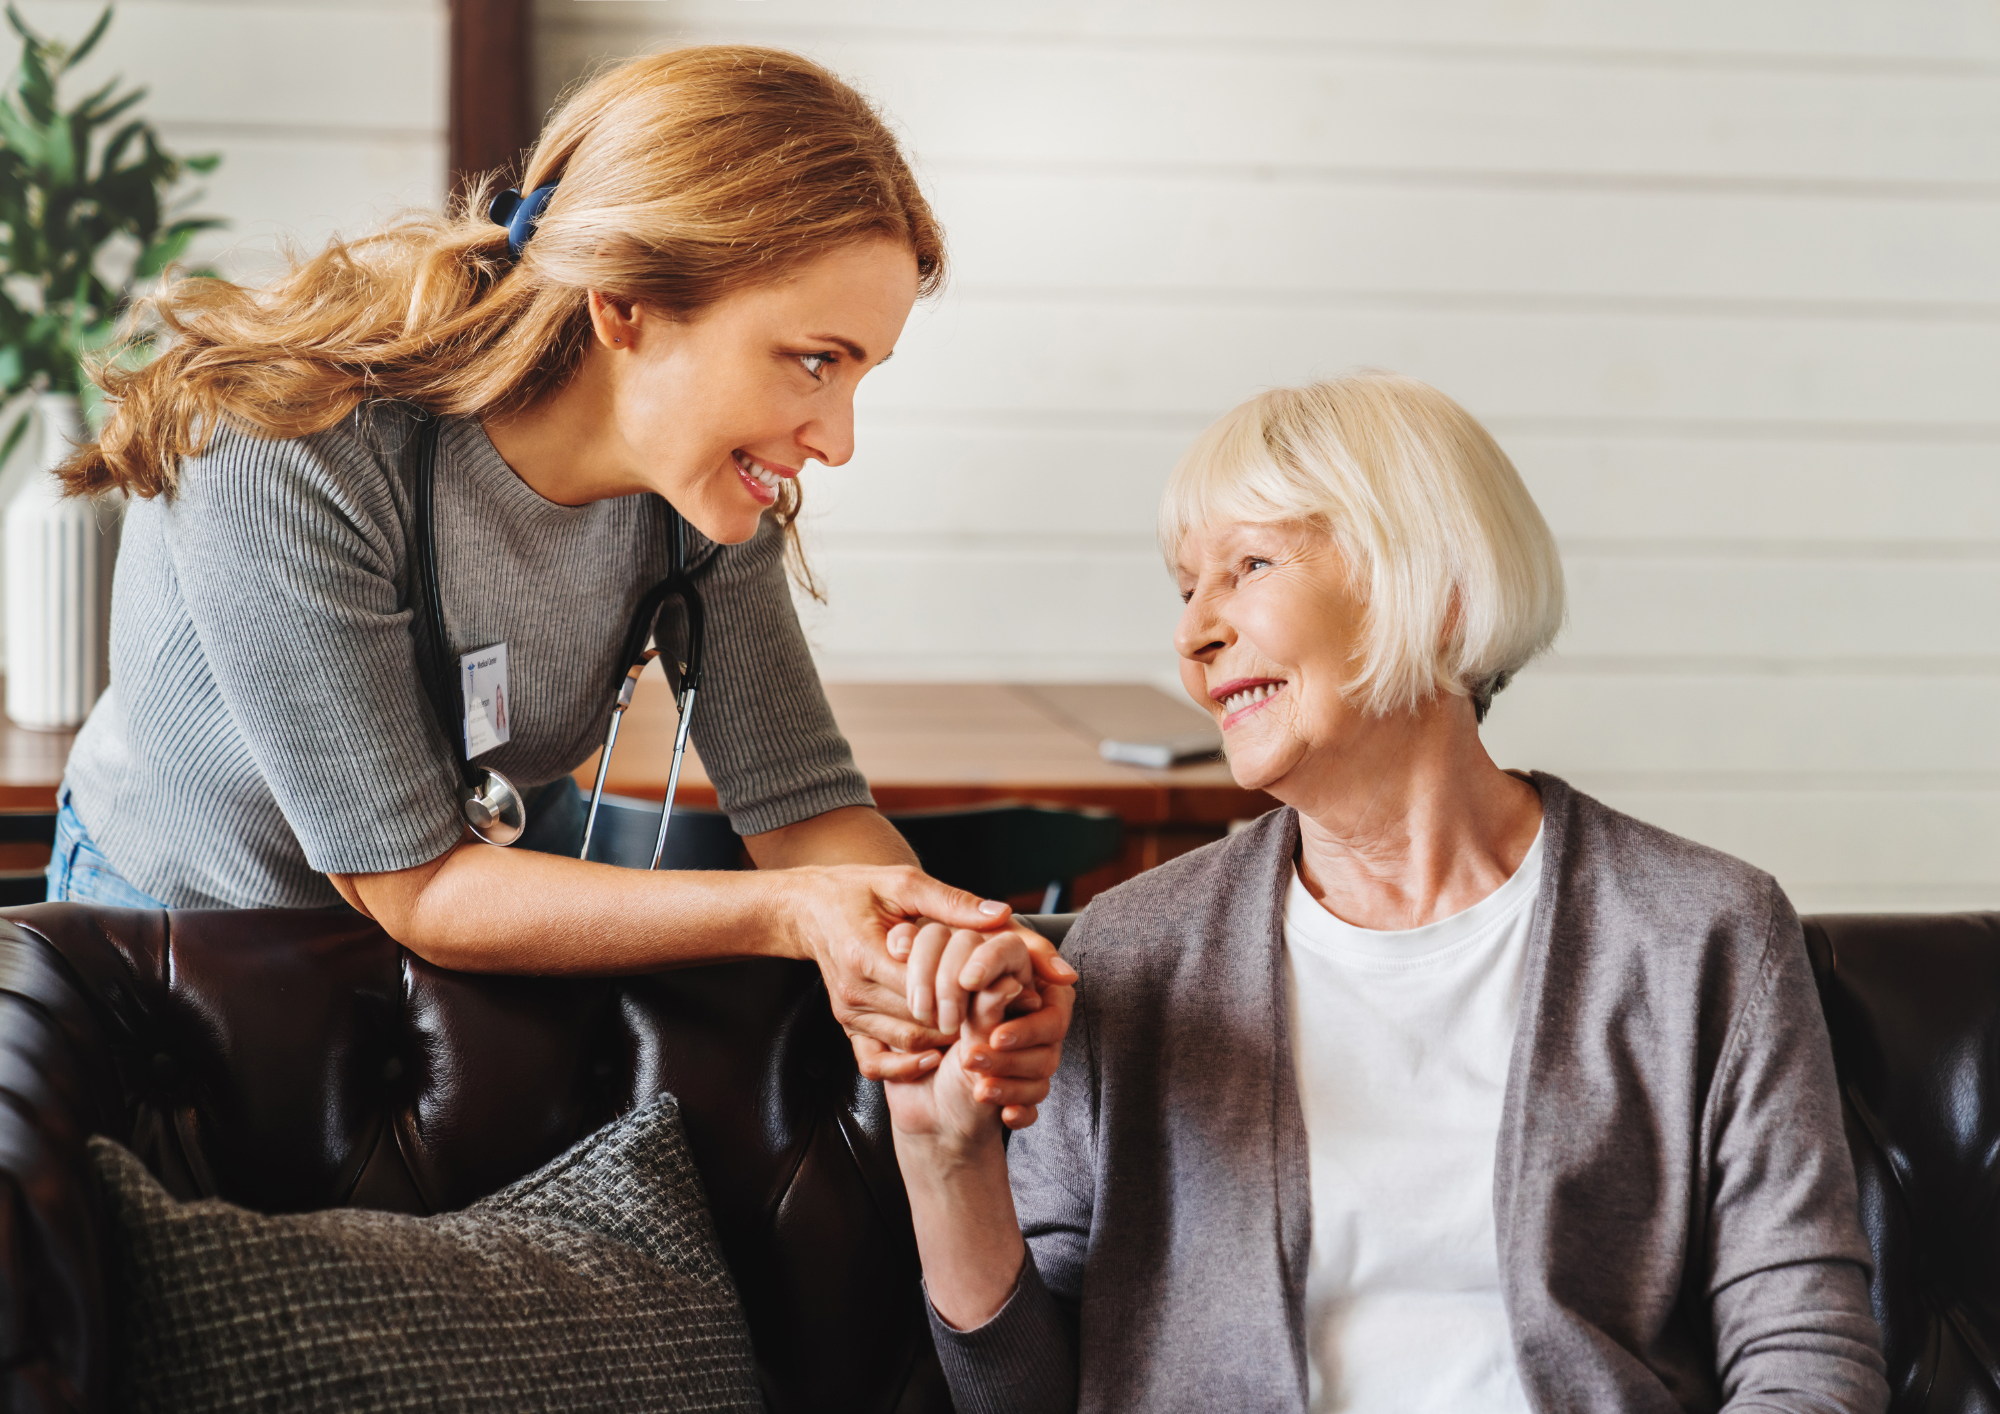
494 809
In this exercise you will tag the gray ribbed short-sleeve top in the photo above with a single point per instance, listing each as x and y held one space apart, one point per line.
266 725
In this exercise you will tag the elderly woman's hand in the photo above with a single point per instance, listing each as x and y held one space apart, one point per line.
952 1104
949 1147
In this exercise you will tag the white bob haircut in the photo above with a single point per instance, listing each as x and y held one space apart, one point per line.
1442 543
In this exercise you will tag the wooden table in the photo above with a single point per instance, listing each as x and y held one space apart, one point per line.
931 745
31 765
921 745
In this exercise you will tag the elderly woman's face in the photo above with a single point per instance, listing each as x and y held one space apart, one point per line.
1266 642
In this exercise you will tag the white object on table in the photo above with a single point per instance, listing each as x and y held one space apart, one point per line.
1162 752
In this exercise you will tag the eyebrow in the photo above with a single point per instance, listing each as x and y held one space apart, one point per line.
851 349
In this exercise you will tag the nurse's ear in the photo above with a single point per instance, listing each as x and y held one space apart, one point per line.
615 322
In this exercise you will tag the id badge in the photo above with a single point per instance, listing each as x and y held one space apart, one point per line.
482 674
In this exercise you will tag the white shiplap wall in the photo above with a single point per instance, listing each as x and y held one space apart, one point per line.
1723 278
329 114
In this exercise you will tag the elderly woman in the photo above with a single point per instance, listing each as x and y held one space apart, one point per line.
1442 1087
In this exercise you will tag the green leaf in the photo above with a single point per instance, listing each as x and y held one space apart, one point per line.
89 41
19 134
114 150
59 152
123 105
164 251
37 87
83 109
207 162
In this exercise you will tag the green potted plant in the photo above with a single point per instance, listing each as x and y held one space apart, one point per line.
85 225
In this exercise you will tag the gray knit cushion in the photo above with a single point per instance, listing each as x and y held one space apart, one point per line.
593 1284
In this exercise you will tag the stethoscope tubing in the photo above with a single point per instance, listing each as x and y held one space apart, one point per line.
674 773
686 709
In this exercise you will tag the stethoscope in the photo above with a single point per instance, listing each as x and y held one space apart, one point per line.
490 803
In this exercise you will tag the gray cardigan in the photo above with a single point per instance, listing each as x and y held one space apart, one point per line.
1674 1197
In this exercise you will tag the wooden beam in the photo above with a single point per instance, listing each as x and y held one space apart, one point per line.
492 119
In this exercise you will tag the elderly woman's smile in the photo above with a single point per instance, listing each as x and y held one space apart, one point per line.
1244 696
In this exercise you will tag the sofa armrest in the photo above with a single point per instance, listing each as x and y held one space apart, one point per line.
60 1082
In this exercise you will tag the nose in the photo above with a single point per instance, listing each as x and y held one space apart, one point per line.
1203 631
829 438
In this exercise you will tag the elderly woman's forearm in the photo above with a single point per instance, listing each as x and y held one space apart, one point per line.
968 1236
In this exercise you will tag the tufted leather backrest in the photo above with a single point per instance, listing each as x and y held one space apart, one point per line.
1913 1008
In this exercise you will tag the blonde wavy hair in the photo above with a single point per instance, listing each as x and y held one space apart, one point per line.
685 177
1441 541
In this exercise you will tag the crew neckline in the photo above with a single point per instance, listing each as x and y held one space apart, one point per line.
1307 919
465 437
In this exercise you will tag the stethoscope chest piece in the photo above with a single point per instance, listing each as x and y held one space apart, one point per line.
494 808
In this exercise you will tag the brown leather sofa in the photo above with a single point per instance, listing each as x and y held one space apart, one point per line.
291 1061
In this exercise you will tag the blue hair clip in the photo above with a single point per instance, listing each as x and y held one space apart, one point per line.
519 214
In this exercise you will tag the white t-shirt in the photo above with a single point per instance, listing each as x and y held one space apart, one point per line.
1401 1041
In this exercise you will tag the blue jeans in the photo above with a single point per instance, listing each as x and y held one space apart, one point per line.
79 872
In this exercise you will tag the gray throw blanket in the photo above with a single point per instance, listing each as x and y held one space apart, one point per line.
1674 1197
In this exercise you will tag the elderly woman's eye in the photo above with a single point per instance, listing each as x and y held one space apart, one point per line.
814 363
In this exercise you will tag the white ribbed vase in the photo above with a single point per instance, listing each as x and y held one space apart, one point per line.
59 553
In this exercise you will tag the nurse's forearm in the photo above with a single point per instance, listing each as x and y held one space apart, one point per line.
482 909
853 834
477 908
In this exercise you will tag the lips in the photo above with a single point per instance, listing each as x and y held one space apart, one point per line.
761 480
1242 696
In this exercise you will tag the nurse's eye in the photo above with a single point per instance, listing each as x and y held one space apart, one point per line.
816 363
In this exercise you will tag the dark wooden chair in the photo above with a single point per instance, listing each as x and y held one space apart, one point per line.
1010 847
25 838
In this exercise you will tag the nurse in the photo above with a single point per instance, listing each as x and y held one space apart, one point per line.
733 241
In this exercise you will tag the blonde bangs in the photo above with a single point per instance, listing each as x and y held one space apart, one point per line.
1232 472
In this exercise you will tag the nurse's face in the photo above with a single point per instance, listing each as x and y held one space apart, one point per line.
714 413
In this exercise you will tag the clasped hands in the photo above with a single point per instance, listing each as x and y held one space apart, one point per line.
990 1007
